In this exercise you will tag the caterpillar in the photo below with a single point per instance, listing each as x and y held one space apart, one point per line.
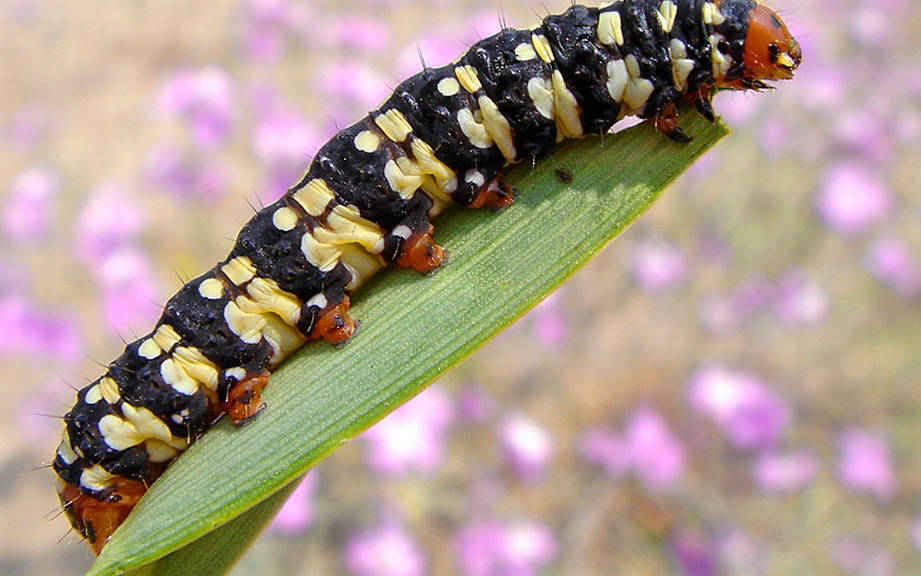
367 200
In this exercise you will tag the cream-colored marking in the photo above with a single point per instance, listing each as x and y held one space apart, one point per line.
177 418
542 47
711 14
639 89
159 452
666 15
344 225
566 107
281 337
166 337
367 141
525 52
323 256
197 365
109 389
618 78
211 288
138 425
394 125
65 451
498 127
473 129
93 395
314 197
448 87
425 157
149 349
179 380
609 28
401 182
475 177
248 327
95 478
284 219
240 270
721 62
541 92
269 297
786 60
361 264
402 231
682 66
318 300
238 373
410 168
467 76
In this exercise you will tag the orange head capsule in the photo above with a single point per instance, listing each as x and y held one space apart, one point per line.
771 53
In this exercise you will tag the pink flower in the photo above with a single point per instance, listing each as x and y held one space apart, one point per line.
474 404
296 515
605 448
865 464
204 100
527 446
694 555
549 322
890 260
656 265
751 415
184 176
493 548
412 437
384 550
130 291
109 218
30 204
852 199
28 329
656 454
784 472
799 301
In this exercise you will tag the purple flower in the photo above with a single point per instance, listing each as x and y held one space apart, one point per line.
109 218
527 446
362 86
914 533
656 265
183 176
29 207
853 556
865 464
264 28
27 329
605 448
889 259
784 472
492 548
203 99
359 33
296 515
549 322
412 437
656 454
751 415
852 199
384 550
130 291
283 142
26 128
474 404
799 301
693 555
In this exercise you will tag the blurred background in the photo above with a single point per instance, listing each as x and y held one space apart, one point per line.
730 388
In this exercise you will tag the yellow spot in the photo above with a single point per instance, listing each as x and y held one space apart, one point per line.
138 425
65 451
367 141
237 372
394 125
314 197
448 87
165 337
323 256
498 127
785 60
211 288
177 378
711 14
525 52
109 389
609 28
682 66
282 338
149 349
542 47
721 62
95 478
425 157
240 270
361 264
248 327
159 452
567 109
93 395
401 182
541 92
345 225
285 219
473 129
271 298
467 76
666 14
196 365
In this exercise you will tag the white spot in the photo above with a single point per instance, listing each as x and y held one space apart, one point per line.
318 300
196 365
682 66
178 379
323 256
138 425
149 349
448 87
711 14
177 418
284 219
618 78
95 478
498 127
93 395
609 28
566 107
211 288
541 92
402 231
666 15
237 372
65 451
525 52
639 89
475 177
721 62
473 129
367 141
248 327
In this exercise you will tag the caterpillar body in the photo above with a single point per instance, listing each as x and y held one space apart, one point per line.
367 201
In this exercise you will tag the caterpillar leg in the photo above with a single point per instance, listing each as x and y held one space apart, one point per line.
420 252
495 194
334 324
97 519
244 399
667 123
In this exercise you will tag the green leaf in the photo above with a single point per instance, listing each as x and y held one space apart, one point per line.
413 329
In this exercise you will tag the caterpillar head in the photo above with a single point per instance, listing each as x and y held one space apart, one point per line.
753 46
